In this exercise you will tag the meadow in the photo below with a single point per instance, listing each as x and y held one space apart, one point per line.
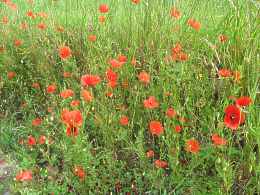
130 96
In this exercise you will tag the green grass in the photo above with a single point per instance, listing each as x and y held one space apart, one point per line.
112 154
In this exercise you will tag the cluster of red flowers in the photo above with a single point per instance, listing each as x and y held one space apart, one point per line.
72 119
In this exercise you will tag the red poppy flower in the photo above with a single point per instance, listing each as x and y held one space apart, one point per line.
122 59
36 85
72 118
136 1
115 63
30 14
194 24
51 89
36 122
224 72
42 139
74 103
90 80
31 140
175 13
86 95
111 75
64 52
79 171
102 19
243 101
233 117
217 140
144 77
67 93
222 38
177 48
161 164
156 128
42 26
72 131
178 129
124 120
25 175
150 154
18 42
103 8
24 26
170 113
151 103
11 75
92 38
193 146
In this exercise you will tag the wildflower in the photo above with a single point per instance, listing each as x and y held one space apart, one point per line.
36 122
18 43
74 103
79 172
51 89
156 128
24 26
30 14
31 140
217 140
36 85
67 93
73 118
90 80
175 13
150 154
193 146
124 120
102 19
160 164
151 103
224 72
115 63
86 95
24 176
92 38
64 52
144 77
177 48
233 117
222 38
42 26
194 24
122 59
42 139
243 101
103 8
178 129
136 1
11 75
171 113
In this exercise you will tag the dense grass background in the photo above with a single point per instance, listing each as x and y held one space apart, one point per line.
112 154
